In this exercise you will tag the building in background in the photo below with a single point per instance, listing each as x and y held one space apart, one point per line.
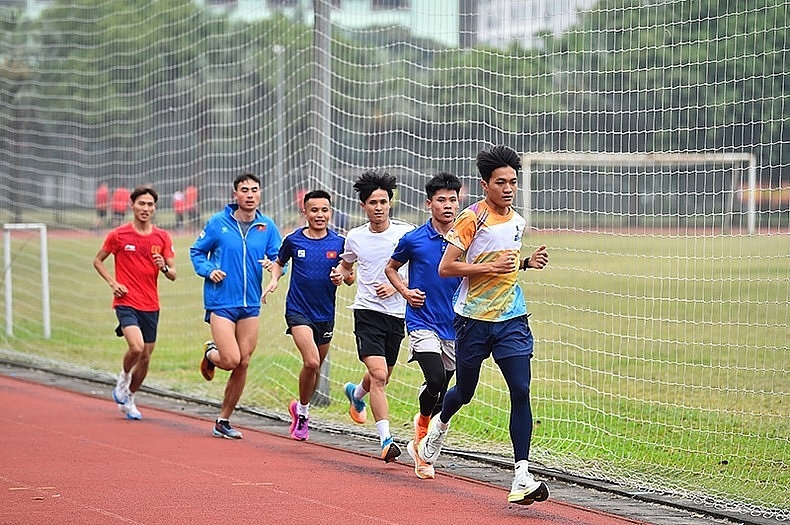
453 23
501 22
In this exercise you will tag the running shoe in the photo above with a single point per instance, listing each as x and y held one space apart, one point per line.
356 408
121 391
223 429
525 490
300 430
431 445
421 468
130 409
389 450
206 366
419 430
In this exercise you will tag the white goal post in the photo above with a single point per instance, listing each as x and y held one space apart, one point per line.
529 160
9 311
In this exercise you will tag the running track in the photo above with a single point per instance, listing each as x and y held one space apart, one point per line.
69 457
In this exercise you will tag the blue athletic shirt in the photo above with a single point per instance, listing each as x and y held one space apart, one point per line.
423 248
311 293
222 245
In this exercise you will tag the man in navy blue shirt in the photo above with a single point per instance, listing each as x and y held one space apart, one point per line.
429 304
310 302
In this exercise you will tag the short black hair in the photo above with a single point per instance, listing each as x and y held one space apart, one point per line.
245 176
144 190
316 194
497 157
442 181
371 181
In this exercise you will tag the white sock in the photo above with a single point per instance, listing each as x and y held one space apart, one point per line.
522 465
383 426
360 393
441 425
302 410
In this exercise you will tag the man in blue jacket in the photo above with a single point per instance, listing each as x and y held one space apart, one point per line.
231 252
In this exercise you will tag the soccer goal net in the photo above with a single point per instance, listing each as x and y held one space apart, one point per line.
671 192
662 320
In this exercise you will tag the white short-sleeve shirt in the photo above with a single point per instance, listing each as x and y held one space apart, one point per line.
372 251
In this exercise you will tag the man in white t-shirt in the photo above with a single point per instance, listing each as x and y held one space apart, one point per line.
378 308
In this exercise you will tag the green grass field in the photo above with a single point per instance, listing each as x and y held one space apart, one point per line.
661 362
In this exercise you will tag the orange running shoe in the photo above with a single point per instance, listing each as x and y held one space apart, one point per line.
356 408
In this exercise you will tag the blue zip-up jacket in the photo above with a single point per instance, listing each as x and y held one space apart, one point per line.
222 246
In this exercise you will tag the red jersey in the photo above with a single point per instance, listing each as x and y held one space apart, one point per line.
190 198
120 200
102 197
134 264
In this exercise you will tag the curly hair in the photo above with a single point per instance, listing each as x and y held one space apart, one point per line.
371 181
497 157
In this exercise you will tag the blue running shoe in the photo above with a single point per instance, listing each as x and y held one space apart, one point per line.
223 429
129 408
121 391
356 407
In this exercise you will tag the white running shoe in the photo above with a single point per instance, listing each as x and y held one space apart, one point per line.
431 445
422 469
121 391
130 409
525 489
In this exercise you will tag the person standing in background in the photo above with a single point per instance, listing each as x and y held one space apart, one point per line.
141 252
119 205
179 208
102 202
191 206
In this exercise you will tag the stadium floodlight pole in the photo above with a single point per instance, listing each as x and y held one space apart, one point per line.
322 41
9 315
280 149
322 133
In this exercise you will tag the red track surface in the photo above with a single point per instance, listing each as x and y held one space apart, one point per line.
72 458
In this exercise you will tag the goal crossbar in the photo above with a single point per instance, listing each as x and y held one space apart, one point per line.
601 159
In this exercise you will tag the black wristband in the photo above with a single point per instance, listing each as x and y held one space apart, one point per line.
165 269
525 264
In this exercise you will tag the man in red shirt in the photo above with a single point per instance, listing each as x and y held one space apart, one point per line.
191 206
119 204
102 202
141 251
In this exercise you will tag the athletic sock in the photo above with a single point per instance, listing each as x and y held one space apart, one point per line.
359 392
302 410
383 426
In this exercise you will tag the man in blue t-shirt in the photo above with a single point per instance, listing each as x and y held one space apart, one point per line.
310 303
429 304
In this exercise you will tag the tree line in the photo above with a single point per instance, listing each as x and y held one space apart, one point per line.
164 86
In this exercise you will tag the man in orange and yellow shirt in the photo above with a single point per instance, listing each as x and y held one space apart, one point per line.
490 311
